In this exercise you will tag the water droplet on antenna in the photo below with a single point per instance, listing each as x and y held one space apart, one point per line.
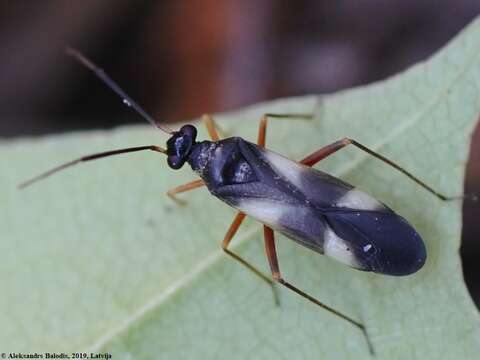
126 102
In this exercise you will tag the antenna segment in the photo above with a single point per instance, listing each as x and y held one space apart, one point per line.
102 75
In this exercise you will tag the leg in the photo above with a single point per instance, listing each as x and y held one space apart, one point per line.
213 129
340 144
226 241
182 188
273 261
210 125
262 129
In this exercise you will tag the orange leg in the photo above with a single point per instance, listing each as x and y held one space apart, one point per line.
262 129
210 125
232 230
241 216
273 261
213 129
332 148
237 221
182 188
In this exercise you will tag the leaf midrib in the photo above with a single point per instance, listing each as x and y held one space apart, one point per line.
168 292
218 255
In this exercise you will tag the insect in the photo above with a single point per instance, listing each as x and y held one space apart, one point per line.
313 208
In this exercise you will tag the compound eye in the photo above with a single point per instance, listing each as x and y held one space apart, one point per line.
190 131
175 162
180 145
183 145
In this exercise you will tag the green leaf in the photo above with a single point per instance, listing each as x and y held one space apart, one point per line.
98 259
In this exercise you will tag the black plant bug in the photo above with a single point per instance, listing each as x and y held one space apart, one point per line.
313 208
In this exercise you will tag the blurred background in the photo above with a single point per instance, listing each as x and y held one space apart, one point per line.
182 58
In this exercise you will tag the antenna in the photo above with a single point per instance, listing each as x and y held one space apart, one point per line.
127 100
89 158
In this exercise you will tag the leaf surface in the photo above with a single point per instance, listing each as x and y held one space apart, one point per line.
99 259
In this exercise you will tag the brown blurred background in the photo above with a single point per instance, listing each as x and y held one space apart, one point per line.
182 58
